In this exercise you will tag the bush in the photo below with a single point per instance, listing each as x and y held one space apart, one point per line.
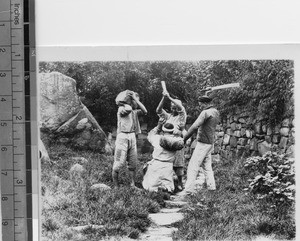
273 183
274 178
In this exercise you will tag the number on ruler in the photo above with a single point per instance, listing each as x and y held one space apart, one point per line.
5 223
3 99
19 181
4 173
4 198
2 50
2 74
4 148
3 124
18 117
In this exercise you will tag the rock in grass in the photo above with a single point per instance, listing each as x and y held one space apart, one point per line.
100 187
76 170
65 119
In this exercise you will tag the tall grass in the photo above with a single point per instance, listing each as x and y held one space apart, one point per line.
68 200
229 213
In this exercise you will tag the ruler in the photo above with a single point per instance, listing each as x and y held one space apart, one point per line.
18 134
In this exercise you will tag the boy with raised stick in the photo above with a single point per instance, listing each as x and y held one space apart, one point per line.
128 127
177 117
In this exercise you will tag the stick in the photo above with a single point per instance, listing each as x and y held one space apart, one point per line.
163 85
219 87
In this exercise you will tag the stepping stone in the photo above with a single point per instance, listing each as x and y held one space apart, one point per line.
158 233
163 219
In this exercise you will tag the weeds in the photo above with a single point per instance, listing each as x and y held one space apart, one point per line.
229 213
69 202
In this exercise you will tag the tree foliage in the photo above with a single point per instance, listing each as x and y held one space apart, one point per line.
267 86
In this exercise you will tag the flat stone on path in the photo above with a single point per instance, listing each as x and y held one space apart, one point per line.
159 233
175 203
160 229
164 219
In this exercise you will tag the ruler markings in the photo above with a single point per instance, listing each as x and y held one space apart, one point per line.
15 21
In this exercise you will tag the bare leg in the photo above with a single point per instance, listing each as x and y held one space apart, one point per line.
132 178
115 176
180 184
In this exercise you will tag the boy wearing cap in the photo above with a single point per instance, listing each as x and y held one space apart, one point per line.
159 174
205 124
128 127
178 119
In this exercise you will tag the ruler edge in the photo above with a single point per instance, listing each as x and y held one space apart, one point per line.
33 225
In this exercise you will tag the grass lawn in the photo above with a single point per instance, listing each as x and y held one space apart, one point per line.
69 202
229 213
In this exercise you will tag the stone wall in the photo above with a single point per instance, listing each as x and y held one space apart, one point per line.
238 135
244 135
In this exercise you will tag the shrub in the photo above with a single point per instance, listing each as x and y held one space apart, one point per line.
274 178
273 183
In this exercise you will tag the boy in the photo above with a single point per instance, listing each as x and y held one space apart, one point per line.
177 117
128 127
205 125
159 174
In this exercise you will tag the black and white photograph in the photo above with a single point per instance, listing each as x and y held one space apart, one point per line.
168 149
149 120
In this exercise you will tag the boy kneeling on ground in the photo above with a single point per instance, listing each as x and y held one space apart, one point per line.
159 173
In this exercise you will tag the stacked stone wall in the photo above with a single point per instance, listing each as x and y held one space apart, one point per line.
244 135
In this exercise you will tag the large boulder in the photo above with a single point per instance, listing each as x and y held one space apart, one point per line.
64 119
59 100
